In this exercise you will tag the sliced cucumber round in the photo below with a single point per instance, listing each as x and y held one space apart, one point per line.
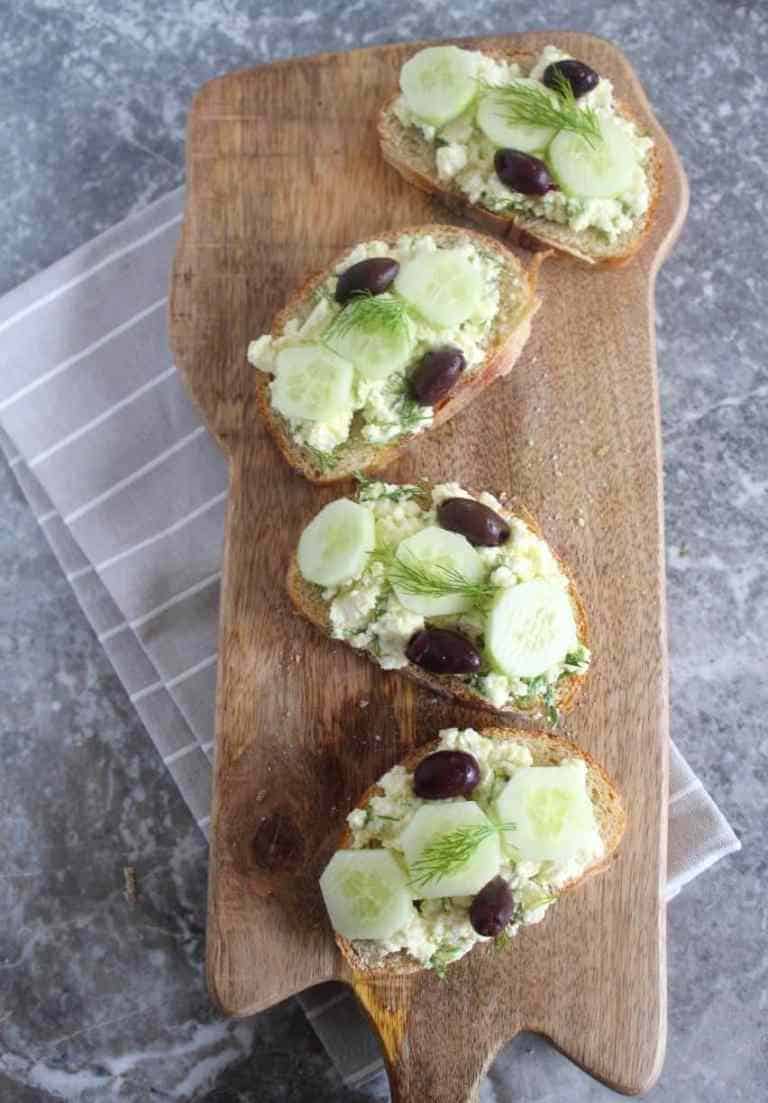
530 628
491 118
376 348
335 546
601 171
366 893
553 815
444 287
312 383
439 83
435 563
449 825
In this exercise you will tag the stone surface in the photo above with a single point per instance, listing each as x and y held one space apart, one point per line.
102 998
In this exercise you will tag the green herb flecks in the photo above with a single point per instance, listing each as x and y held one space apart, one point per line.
475 682
448 853
575 662
524 105
323 461
376 315
410 415
393 494
442 958
418 579
541 689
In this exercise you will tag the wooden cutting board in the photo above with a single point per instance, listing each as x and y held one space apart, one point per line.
284 173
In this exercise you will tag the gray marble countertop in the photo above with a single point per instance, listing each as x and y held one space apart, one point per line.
104 999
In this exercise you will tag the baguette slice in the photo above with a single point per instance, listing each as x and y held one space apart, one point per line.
407 151
547 750
308 600
512 327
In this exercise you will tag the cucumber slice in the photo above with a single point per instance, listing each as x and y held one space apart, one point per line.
552 813
378 349
334 547
366 893
439 83
312 383
431 824
444 287
492 122
441 556
531 627
599 172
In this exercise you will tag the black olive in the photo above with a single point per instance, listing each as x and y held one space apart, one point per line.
522 172
492 908
367 276
436 374
446 774
481 526
581 78
442 651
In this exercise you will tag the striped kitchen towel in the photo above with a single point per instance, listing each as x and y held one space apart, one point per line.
131 492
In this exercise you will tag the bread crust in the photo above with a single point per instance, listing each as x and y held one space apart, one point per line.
546 749
518 304
308 601
412 156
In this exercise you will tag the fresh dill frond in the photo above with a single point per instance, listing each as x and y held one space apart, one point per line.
325 461
374 315
419 579
448 853
522 104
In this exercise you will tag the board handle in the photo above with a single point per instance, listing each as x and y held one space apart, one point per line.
422 1063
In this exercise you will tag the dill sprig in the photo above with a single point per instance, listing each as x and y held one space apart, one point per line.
375 315
449 852
419 579
528 106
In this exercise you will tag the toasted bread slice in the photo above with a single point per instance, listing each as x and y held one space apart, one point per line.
517 305
407 151
547 750
308 599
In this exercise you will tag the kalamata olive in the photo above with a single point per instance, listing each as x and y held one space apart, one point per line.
492 908
581 78
481 526
372 276
442 651
446 774
522 172
436 374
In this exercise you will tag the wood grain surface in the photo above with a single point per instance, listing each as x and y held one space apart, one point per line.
283 173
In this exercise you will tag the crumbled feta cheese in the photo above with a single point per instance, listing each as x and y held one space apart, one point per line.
450 159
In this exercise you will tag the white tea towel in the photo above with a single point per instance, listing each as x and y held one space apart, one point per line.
131 493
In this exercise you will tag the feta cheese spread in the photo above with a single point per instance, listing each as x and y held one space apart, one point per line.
381 410
367 613
439 931
464 157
